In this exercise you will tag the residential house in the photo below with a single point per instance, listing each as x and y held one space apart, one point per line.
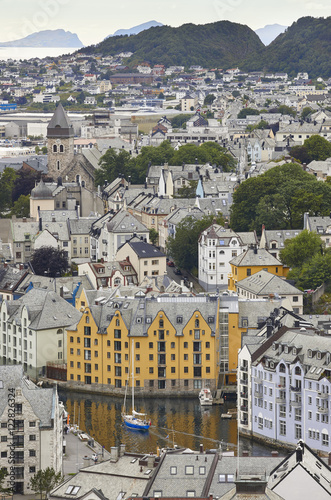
217 246
146 259
274 240
319 225
109 274
35 433
33 330
111 231
252 261
284 384
266 285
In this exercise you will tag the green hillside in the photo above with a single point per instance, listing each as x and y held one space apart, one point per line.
305 46
222 44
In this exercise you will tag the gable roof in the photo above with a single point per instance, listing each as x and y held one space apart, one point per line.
255 257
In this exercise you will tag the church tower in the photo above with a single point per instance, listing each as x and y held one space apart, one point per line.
60 143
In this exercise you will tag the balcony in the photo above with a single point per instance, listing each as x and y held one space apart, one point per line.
296 404
244 422
244 381
244 395
295 388
244 368
322 409
258 379
244 408
281 400
323 395
258 394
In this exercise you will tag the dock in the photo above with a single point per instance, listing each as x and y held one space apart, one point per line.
78 452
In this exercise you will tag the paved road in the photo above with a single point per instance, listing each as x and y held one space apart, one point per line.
79 454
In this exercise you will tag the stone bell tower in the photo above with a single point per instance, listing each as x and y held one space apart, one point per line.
60 143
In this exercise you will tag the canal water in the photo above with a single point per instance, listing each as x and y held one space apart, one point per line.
174 421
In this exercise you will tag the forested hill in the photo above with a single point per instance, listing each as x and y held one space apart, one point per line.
222 45
305 46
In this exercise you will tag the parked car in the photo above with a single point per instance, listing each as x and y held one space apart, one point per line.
177 271
170 263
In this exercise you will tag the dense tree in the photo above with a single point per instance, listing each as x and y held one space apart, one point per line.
7 181
153 236
50 261
278 199
207 152
314 272
243 113
179 121
299 250
209 99
21 207
184 247
4 491
112 165
318 148
45 480
305 112
25 181
315 148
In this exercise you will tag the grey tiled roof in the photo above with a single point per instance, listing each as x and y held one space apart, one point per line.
124 222
264 283
257 257
143 249
46 310
41 400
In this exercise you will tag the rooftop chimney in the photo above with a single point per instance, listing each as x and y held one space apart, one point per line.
114 454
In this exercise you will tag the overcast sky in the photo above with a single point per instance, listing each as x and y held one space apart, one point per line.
94 20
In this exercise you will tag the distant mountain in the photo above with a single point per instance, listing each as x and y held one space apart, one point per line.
270 32
47 38
136 29
305 46
216 45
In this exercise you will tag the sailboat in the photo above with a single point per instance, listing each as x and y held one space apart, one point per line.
134 421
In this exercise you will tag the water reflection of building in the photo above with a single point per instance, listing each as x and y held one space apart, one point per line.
100 416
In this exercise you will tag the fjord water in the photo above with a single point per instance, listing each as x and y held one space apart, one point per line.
174 420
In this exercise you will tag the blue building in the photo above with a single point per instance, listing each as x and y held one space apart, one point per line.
9 106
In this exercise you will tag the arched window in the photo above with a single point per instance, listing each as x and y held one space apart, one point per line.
297 370
55 148
117 281
87 319
222 252
58 165
117 322
161 323
197 323
78 179
61 148
282 368
83 184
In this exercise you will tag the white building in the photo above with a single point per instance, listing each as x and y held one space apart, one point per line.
217 246
36 430
33 330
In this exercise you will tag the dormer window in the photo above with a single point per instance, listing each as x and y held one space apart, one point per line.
318 355
294 350
310 353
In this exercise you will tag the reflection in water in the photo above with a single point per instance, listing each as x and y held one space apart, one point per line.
181 421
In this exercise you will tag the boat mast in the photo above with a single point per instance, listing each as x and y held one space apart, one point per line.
132 375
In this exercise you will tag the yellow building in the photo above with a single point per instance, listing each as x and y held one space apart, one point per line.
252 261
176 342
